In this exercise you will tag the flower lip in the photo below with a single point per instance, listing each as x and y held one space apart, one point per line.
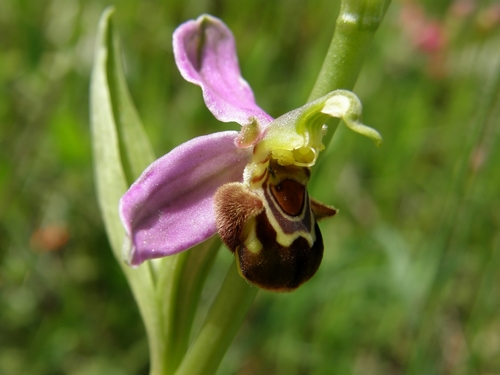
205 53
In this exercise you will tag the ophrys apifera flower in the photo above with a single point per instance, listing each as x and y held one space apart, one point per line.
249 186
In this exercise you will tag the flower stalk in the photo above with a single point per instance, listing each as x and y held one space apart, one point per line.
355 29
220 327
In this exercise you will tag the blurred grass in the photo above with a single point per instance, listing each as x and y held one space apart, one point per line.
409 283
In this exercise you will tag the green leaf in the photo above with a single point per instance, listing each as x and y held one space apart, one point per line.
109 175
111 184
135 147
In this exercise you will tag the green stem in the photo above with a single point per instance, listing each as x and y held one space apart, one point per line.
221 325
149 306
179 288
356 25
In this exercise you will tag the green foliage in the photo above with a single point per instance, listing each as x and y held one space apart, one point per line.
409 282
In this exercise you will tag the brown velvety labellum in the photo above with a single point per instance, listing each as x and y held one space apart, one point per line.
289 194
278 268
234 204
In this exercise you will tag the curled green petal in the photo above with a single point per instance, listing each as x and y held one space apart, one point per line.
345 105
296 137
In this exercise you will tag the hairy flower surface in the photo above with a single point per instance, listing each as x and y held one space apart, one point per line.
249 186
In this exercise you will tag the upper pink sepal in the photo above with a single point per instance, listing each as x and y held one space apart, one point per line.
205 53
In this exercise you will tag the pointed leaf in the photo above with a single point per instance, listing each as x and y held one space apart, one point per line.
135 147
111 184
109 175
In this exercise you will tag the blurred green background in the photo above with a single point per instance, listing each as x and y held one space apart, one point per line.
409 283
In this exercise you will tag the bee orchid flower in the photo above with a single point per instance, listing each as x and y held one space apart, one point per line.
248 186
